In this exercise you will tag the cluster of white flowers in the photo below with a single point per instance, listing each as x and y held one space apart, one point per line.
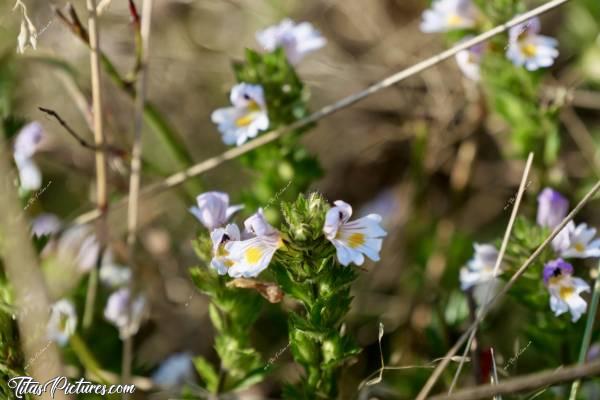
249 115
573 241
246 254
79 246
526 47
27 143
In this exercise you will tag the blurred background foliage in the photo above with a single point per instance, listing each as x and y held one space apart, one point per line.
429 155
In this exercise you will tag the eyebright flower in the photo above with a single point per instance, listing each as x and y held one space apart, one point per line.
552 208
353 240
26 145
79 245
45 224
220 237
252 256
478 274
565 289
117 312
469 61
526 47
296 39
112 274
213 209
446 15
174 371
246 118
62 322
576 242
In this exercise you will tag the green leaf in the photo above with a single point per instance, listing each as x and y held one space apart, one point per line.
215 317
254 377
207 373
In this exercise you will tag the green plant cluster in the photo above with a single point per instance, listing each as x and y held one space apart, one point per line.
283 169
308 271
513 93
232 313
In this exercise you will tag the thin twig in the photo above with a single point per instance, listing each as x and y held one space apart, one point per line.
495 380
154 119
73 22
484 310
134 182
101 164
84 143
586 99
499 260
213 162
527 382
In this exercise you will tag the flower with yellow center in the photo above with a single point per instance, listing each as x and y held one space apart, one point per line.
246 118
527 48
446 15
220 237
565 289
62 322
577 242
353 240
252 256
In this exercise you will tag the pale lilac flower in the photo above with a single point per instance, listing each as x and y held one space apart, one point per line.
252 256
469 61
446 15
552 208
27 143
594 352
565 289
62 322
117 312
246 118
296 39
353 240
79 245
174 371
45 224
478 274
112 274
526 47
213 209
576 242
220 237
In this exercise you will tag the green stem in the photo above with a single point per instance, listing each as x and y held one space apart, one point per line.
86 357
90 299
587 335
165 131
